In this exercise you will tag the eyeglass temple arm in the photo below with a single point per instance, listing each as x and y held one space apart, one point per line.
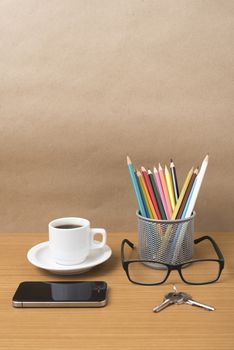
218 251
129 243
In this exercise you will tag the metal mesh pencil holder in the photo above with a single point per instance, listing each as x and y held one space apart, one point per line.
166 241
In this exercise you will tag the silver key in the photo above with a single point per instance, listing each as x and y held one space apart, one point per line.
170 298
187 299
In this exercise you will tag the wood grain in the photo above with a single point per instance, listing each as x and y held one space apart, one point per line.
127 322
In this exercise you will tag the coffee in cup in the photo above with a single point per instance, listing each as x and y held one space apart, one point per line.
68 226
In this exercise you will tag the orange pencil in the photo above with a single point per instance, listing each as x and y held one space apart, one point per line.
148 198
165 191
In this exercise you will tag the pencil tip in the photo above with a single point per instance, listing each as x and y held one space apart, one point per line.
129 160
155 169
143 168
159 166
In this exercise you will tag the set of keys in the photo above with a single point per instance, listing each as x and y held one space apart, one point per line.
180 298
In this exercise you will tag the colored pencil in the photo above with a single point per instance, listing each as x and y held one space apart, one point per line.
135 187
151 192
174 180
148 211
165 191
187 193
170 188
182 193
195 189
157 196
152 210
142 194
160 191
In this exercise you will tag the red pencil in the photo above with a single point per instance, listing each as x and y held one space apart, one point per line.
151 193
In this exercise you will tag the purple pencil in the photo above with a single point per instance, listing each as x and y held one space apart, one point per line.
160 190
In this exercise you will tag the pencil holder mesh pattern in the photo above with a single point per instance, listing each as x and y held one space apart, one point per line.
169 242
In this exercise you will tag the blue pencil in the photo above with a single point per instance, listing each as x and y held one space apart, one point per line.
135 187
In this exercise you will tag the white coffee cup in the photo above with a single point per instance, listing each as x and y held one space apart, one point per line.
71 239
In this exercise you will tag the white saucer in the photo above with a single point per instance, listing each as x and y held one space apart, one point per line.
39 256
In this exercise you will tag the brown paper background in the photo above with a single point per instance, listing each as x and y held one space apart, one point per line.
84 83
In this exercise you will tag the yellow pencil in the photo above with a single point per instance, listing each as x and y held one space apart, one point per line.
144 194
182 193
170 188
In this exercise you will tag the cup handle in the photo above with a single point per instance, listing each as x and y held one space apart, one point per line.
94 244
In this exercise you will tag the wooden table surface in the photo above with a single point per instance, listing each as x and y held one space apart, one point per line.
127 322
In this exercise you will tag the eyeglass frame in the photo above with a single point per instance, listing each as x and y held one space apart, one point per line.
170 267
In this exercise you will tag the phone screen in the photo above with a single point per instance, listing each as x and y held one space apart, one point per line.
61 292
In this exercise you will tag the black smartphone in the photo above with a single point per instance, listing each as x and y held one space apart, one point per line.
61 294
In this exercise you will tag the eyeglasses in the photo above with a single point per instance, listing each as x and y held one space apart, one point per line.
151 272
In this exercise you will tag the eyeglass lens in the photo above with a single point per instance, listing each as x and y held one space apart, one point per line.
201 272
147 273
